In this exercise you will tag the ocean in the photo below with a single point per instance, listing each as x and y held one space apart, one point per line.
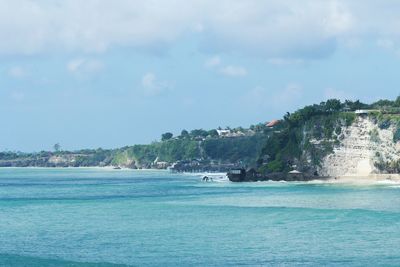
103 217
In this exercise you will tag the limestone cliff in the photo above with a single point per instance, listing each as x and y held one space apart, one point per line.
319 141
364 148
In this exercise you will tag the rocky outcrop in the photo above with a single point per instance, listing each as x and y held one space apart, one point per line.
241 175
62 160
49 159
362 147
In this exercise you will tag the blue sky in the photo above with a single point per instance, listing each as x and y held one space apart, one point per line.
114 73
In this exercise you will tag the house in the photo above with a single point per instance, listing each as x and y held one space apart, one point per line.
223 133
272 123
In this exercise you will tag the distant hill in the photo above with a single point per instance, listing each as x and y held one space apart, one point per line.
332 138
214 148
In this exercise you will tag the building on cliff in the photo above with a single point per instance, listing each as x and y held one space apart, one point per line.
362 111
272 123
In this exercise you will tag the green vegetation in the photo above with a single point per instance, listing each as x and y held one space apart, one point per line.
197 145
298 141
98 157
225 150
57 147
240 149
310 133
374 134
385 120
86 157
166 136
292 145
387 106
389 167
169 151
396 136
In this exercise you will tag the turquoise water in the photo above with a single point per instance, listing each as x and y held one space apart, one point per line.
93 217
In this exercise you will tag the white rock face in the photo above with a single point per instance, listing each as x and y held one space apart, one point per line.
362 145
62 159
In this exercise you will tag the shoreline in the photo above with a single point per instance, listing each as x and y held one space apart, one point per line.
368 179
82 167
365 179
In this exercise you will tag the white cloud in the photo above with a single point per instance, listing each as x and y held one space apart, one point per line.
340 19
34 26
273 29
74 64
148 80
82 66
152 86
233 70
215 63
17 72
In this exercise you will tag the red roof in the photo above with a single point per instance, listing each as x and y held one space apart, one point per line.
272 123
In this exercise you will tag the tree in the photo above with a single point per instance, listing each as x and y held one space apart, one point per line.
333 105
286 117
57 147
198 133
213 133
259 127
166 136
397 102
383 103
184 134
356 105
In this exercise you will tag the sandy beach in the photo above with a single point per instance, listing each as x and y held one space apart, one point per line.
366 179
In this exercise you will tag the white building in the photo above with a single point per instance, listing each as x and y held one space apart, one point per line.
362 111
223 133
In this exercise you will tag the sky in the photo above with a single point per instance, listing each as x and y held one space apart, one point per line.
98 73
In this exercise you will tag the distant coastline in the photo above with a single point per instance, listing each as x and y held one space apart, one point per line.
197 151
330 139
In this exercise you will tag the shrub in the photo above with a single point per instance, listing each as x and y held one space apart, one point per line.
385 124
396 135
374 135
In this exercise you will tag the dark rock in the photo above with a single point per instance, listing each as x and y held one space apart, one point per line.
241 175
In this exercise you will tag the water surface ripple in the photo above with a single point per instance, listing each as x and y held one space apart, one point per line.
100 217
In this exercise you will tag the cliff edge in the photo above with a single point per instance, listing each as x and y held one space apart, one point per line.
332 140
364 149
